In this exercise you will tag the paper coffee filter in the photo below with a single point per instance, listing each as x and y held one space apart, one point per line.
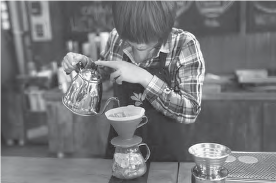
125 113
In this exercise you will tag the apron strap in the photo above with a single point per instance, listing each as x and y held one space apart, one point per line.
168 75
162 58
163 69
125 58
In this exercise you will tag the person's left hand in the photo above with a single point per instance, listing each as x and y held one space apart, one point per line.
127 72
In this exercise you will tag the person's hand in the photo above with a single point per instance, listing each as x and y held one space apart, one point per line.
127 72
69 62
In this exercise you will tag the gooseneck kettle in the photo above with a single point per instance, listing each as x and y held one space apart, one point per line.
84 95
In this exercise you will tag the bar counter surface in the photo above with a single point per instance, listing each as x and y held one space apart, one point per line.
241 95
90 170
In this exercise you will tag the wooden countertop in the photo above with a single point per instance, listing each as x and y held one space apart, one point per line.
72 170
46 170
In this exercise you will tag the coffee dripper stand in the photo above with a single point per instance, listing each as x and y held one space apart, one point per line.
209 159
128 162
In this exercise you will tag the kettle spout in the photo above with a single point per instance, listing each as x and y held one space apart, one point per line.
115 99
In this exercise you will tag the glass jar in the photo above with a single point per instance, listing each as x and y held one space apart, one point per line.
128 162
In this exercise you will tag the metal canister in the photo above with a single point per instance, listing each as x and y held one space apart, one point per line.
197 177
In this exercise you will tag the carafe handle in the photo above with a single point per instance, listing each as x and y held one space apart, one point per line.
142 123
148 150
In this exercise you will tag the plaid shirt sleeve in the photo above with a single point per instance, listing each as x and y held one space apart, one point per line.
183 105
106 55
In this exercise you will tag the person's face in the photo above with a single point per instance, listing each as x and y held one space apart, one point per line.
144 46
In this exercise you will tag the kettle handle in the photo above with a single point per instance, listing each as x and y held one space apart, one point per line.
148 150
79 67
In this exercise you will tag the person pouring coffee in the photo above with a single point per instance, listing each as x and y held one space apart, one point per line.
155 66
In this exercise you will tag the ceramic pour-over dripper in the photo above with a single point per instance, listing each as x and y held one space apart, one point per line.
209 158
125 120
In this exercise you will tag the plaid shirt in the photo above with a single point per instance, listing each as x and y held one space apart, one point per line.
180 101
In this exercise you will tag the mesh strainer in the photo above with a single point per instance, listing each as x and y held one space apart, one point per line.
259 166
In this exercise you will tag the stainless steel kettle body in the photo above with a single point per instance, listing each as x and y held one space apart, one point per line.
84 95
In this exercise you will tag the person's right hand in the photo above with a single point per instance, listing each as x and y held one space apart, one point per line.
69 62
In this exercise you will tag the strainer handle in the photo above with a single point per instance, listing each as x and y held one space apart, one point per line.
148 150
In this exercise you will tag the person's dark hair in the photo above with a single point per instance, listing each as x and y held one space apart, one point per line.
144 21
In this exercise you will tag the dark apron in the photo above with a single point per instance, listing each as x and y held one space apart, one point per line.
162 134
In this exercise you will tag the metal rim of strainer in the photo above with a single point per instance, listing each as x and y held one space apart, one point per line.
227 150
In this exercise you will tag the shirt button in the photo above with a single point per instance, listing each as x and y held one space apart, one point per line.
167 90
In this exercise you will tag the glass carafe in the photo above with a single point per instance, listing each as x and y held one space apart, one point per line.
128 162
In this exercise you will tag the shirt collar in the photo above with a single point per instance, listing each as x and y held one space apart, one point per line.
165 48
127 49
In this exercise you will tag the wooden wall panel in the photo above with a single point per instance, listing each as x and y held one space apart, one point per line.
225 54
273 50
258 50
269 128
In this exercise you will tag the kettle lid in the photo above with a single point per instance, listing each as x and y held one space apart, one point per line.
90 75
